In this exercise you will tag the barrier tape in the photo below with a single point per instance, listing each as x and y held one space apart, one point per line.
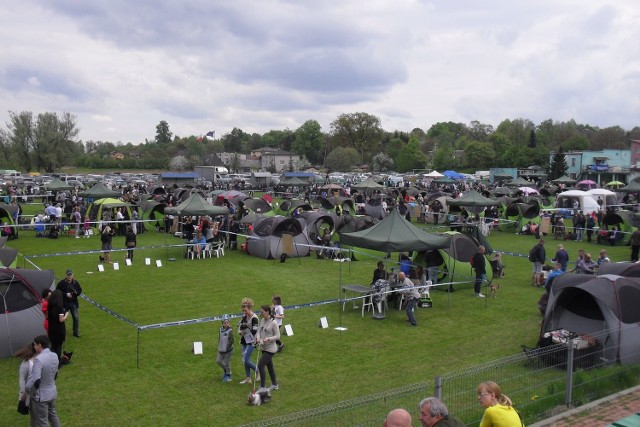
108 310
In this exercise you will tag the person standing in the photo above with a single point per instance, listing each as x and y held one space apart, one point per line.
71 290
591 223
480 266
27 355
433 412
635 245
268 335
77 219
562 257
499 410
41 385
106 237
278 315
412 294
537 256
130 241
225 348
248 328
57 316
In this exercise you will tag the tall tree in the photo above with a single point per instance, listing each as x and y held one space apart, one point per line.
163 134
59 147
410 157
233 140
20 136
479 155
361 131
558 165
309 141
342 159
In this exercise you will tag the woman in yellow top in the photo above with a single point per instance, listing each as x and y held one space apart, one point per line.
499 410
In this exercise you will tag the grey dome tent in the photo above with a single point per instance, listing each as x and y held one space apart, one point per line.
456 258
604 306
21 317
269 238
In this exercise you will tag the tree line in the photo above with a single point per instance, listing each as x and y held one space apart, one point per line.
48 141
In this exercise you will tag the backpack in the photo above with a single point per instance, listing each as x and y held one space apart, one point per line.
532 254
472 261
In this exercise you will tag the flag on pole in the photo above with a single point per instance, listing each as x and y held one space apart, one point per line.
211 133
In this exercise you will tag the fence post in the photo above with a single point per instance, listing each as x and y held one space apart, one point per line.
568 394
437 392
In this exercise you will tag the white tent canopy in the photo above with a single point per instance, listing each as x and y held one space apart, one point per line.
609 198
587 202
433 174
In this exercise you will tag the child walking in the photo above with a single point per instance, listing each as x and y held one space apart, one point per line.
278 314
225 348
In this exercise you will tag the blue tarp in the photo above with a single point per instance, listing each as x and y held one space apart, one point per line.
453 175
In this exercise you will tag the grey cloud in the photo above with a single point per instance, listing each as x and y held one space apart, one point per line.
19 79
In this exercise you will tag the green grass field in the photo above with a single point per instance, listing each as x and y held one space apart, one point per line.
173 387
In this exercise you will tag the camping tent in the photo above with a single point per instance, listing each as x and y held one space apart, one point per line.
626 269
473 200
21 317
8 257
57 185
100 191
456 258
97 208
395 234
196 205
271 237
604 306
7 215
315 222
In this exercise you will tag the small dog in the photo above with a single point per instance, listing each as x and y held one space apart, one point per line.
257 399
493 289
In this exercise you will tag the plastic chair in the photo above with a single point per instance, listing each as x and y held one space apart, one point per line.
217 249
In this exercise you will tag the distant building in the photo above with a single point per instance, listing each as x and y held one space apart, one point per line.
600 166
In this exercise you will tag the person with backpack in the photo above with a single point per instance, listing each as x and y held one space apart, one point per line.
537 257
478 263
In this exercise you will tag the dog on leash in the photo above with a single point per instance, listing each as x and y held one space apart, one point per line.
493 289
257 398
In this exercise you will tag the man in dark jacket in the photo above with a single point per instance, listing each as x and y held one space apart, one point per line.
71 290
537 258
479 264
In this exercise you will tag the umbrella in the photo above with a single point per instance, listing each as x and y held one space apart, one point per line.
615 184
564 180
528 190
586 184
331 187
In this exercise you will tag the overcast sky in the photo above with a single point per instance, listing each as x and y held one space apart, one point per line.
122 66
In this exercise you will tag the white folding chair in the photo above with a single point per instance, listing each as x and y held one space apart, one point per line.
217 249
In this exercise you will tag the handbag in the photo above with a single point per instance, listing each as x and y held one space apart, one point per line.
23 408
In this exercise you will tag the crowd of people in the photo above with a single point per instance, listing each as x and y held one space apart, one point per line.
498 411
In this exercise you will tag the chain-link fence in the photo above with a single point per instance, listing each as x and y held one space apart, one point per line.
567 371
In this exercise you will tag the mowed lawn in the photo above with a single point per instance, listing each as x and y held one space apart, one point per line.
120 376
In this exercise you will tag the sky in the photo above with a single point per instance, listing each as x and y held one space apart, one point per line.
122 66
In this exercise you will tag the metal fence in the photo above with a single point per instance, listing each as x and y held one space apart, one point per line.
541 382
